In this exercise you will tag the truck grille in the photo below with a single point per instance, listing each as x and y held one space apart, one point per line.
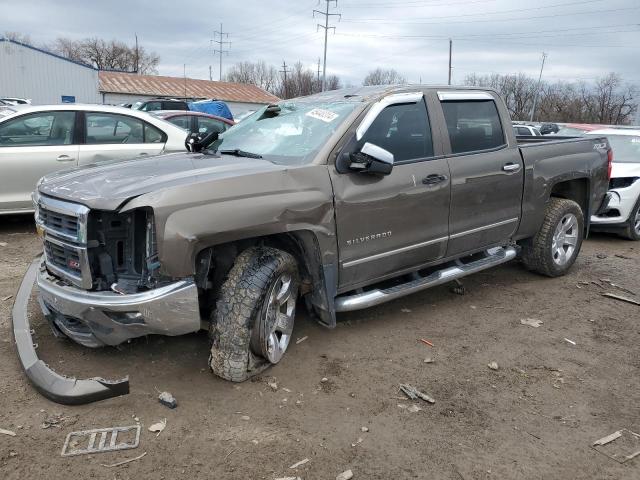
64 229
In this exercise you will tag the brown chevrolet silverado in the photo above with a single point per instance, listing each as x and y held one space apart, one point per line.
346 199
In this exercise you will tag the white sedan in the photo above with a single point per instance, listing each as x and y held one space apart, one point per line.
37 140
623 213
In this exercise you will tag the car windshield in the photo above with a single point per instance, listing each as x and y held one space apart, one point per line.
626 148
290 133
137 105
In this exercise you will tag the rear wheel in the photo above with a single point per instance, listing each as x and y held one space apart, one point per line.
553 250
632 231
253 321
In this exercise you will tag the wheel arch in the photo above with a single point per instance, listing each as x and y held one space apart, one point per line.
577 190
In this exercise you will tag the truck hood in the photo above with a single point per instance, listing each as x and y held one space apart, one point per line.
107 186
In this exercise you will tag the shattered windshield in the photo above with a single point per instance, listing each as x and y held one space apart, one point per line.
290 133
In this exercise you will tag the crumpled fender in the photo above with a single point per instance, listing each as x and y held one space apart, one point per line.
60 389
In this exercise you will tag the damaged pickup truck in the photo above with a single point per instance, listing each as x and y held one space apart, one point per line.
345 199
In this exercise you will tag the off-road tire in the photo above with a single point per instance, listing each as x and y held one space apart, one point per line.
630 231
536 252
239 306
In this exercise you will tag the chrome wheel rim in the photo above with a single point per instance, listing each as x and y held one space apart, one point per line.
636 223
565 240
278 317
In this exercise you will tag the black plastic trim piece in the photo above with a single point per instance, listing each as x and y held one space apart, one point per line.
60 389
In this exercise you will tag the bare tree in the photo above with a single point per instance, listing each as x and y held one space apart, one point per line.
258 73
18 37
381 76
112 55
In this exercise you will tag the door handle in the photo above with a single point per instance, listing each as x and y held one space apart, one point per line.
64 158
434 179
511 167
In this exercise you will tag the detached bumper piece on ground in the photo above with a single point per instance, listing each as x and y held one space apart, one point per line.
60 389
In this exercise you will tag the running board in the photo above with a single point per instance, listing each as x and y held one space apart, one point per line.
370 298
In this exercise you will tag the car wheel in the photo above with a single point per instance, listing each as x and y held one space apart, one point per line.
632 231
252 323
553 250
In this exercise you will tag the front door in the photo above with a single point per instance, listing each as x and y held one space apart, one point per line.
31 146
486 173
110 136
388 224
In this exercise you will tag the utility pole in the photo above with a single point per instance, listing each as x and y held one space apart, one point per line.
535 99
318 71
184 75
210 75
137 56
285 85
220 50
326 28
450 51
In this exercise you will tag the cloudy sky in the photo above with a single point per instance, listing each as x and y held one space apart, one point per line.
583 39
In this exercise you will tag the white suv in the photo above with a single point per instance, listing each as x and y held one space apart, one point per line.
623 213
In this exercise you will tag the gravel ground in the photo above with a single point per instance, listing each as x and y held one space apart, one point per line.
535 417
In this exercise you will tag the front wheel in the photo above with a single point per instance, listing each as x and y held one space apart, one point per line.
553 250
632 230
252 324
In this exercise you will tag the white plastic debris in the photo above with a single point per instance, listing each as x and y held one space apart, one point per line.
569 341
300 340
168 400
347 475
414 409
531 322
493 365
158 427
273 386
299 464
7 432
364 429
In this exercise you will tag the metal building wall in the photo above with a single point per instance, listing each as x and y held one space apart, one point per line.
26 72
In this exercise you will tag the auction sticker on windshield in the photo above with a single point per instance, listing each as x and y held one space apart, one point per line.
321 114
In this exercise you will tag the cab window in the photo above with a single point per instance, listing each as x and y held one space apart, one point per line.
473 125
38 129
403 130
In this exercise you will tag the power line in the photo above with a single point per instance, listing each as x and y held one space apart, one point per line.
220 50
326 28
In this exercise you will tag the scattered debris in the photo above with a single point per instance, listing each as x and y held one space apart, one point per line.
532 322
621 446
7 298
426 342
73 439
125 461
621 298
273 385
300 340
246 418
624 257
569 341
288 478
601 256
402 406
299 464
414 409
158 427
58 421
493 365
405 310
324 379
347 475
428 360
364 429
7 432
358 442
168 400
3 244
414 393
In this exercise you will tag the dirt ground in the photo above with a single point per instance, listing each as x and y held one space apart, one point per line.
533 418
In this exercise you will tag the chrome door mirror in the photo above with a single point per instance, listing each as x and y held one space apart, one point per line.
372 159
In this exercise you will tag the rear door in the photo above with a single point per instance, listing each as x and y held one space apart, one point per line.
388 224
486 172
110 136
32 146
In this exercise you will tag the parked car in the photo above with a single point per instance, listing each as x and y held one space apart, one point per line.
160 104
623 213
195 122
349 198
526 131
16 101
548 128
576 129
37 140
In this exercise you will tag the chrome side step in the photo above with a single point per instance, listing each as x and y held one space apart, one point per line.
493 257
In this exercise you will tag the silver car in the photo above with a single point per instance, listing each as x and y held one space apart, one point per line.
37 140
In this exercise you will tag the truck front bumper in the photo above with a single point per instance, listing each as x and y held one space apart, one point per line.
94 319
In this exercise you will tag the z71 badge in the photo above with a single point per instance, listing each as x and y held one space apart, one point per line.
368 238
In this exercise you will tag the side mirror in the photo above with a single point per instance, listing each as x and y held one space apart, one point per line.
372 159
197 142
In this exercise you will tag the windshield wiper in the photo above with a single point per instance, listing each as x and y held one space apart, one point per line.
240 153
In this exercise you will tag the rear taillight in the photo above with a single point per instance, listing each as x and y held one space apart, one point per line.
609 163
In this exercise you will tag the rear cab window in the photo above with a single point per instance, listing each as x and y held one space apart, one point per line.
473 125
